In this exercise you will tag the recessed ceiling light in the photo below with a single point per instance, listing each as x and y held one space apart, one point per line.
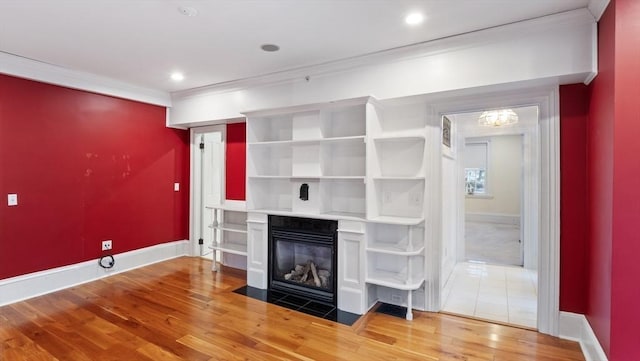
270 47
188 11
177 76
414 19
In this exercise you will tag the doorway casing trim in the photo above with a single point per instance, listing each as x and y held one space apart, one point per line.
548 229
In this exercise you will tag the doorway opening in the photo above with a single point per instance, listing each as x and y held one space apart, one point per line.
494 274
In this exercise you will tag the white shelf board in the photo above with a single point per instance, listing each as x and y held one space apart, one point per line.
233 248
395 178
269 177
272 177
325 215
236 206
355 138
280 212
232 227
329 177
345 215
408 221
391 280
393 249
359 138
269 143
399 137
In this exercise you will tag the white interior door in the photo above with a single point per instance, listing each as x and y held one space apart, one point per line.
208 154
212 168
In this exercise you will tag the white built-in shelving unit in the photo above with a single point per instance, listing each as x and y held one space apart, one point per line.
229 244
321 146
364 162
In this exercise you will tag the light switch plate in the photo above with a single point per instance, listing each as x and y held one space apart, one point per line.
12 199
176 187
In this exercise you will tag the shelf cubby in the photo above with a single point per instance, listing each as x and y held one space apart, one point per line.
399 156
269 159
395 239
269 194
343 198
397 271
344 158
272 128
399 119
398 198
343 121
229 241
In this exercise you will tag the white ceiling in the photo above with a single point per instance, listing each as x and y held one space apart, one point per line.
142 41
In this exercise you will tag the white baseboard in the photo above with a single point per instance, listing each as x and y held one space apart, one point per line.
493 218
39 283
575 327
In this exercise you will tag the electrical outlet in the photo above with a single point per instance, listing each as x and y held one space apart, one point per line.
396 298
107 245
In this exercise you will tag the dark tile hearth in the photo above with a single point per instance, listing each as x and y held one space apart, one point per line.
300 304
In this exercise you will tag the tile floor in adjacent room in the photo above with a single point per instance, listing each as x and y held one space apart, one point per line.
504 294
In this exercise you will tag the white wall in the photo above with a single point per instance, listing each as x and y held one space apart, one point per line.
504 178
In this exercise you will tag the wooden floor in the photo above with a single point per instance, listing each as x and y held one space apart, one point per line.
180 310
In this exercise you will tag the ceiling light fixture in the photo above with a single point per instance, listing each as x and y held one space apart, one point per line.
269 47
498 118
414 19
177 76
188 11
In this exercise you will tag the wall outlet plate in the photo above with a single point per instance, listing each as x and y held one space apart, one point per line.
107 245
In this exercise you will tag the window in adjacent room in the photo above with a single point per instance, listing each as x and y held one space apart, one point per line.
476 161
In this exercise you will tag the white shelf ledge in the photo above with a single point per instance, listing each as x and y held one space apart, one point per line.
235 206
349 139
399 137
271 177
408 221
233 248
232 227
396 178
324 215
391 280
394 249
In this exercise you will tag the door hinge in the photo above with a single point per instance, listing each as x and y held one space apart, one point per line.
201 241
202 145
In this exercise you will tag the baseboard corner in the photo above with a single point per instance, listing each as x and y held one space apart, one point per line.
576 327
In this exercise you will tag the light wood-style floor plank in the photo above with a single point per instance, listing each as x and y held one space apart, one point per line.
180 310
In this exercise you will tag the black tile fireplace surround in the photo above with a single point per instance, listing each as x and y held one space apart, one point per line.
303 257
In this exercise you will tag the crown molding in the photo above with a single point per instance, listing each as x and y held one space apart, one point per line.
21 67
452 43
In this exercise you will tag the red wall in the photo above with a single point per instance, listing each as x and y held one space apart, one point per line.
235 164
86 168
574 108
625 292
600 179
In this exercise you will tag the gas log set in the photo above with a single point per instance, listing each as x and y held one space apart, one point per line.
308 274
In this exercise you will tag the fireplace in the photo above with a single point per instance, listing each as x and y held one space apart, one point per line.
302 258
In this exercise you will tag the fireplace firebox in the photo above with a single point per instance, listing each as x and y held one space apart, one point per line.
303 257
